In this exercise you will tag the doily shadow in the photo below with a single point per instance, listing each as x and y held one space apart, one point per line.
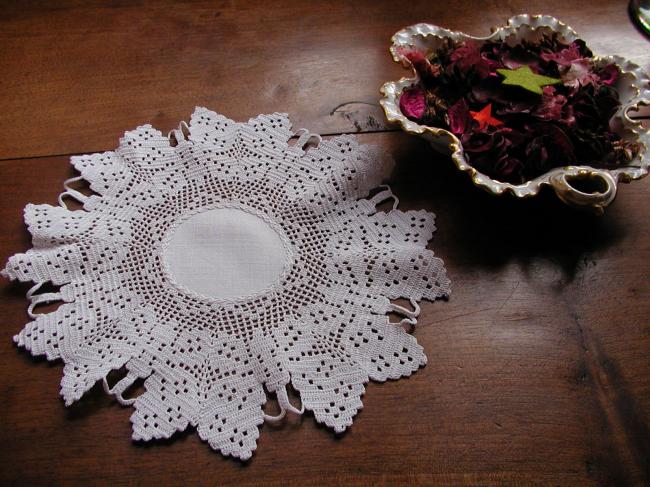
489 231
90 403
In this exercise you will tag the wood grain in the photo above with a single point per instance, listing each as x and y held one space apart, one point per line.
539 370
78 74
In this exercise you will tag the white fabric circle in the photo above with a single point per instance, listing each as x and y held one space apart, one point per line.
225 253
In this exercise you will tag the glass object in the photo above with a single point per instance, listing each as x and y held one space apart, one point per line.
640 13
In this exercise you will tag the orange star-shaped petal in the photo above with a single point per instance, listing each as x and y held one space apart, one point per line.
485 118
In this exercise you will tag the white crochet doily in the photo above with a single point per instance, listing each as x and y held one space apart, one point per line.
222 260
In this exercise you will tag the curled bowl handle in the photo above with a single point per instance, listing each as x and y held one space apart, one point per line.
602 183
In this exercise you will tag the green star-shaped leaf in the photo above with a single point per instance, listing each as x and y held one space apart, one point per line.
526 79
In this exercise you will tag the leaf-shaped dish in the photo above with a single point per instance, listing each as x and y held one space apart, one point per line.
633 86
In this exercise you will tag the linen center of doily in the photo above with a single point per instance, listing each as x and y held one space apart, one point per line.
225 253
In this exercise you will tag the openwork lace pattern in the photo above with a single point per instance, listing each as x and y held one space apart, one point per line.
208 363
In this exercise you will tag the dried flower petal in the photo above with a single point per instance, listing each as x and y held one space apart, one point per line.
506 166
551 106
580 74
518 56
459 117
609 75
427 71
565 57
412 103
554 142
467 56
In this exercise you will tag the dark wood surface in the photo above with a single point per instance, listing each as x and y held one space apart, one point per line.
539 363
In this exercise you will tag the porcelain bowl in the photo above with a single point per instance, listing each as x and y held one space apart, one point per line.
633 87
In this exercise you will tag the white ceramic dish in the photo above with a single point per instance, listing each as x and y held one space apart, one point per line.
633 86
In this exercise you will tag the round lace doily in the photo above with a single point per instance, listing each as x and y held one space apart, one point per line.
222 260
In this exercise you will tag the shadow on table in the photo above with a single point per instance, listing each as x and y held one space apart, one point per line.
490 231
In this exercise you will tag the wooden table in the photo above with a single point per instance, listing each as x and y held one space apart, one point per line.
539 363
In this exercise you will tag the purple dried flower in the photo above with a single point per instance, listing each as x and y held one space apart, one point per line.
580 73
459 117
427 71
565 57
467 56
553 107
515 135
412 103
609 75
